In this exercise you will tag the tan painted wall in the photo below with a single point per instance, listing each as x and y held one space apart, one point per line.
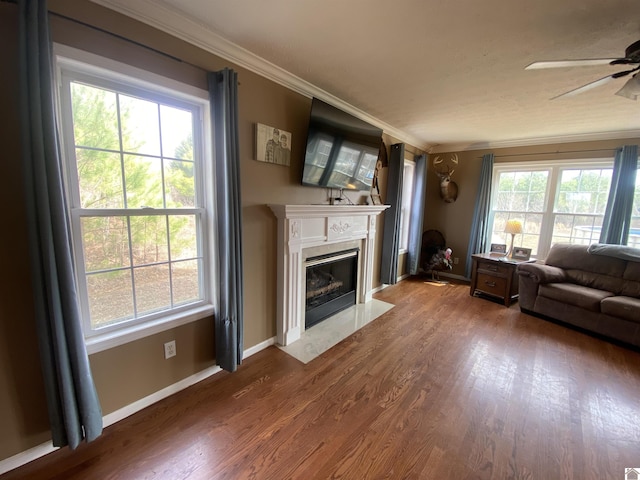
135 370
454 219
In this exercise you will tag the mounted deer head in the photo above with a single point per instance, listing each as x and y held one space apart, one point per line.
448 188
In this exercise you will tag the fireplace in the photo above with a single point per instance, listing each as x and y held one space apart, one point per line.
311 230
331 282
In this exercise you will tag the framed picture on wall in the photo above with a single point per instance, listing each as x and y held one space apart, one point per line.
273 145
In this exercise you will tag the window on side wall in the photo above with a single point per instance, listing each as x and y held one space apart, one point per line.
138 200
407 194
559 202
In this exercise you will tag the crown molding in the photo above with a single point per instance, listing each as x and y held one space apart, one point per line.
169 20
530 142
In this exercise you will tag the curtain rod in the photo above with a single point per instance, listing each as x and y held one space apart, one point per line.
609 150
118 36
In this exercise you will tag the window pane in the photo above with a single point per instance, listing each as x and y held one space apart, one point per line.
634 231
177 127
183 232
140 119
577 229
110 297
186 285
583 191
95 118
99 179
149 239
180 186
106 243
143 182
153 291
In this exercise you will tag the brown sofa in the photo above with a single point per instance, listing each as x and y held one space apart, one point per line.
596 288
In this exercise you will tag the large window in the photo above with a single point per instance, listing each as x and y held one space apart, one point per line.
407 197
562 202
137 198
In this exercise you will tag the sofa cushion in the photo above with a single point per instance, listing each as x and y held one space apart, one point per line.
632 272
622 307
631 289
577 257
595 280
577 295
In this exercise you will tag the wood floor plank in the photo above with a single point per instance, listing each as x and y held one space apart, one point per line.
442 386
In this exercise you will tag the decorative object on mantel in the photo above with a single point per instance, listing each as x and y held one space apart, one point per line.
273 145
376 199
448 188
512 227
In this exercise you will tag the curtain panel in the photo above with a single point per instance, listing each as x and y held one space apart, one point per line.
481 214
417 214
391 231
72 401
617 215
223 92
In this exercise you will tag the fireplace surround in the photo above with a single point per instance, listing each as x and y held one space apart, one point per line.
307 230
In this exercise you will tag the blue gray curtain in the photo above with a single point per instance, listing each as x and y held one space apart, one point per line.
72 401
223 92
481 213
617 215
417 214
391 231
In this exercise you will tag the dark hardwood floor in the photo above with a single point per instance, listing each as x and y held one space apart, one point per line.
443 386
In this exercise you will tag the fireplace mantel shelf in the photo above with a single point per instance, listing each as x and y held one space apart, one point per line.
306 226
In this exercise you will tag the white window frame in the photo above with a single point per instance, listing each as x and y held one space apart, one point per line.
408 181
72 63
554 168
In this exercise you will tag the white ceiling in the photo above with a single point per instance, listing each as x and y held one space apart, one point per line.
445 75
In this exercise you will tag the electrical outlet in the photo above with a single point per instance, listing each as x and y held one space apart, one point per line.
456 260
170 349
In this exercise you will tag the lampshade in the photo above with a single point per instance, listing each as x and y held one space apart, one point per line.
513 227
631 89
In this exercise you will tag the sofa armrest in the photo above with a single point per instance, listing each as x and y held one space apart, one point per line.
530 276
540 273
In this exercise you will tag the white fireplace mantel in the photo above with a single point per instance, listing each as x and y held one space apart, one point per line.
306 226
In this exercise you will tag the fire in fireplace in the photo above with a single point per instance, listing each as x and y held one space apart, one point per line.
331 284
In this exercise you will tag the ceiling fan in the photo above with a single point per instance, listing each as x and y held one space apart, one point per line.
631 88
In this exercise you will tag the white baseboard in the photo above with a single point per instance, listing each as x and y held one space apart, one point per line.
38 451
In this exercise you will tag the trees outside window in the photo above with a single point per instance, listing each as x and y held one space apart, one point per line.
559 202
137 199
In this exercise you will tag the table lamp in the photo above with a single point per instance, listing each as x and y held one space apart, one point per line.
513 227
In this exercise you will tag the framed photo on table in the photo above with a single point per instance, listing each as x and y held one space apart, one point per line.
521 254
499 248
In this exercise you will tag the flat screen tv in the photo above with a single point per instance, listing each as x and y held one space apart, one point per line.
342 150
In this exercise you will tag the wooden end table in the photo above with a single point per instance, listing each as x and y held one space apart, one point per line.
494 275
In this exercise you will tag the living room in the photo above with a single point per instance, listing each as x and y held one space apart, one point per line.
130 376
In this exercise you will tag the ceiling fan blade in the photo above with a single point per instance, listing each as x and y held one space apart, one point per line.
586 87
597 83
570 63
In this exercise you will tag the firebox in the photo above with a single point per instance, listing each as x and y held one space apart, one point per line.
331 284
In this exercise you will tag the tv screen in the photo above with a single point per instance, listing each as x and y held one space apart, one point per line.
342 150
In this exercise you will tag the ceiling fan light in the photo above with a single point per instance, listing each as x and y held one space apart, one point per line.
631 89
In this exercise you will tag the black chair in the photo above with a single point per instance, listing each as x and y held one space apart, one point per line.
434 254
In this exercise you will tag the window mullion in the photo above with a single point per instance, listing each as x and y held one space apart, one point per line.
548 217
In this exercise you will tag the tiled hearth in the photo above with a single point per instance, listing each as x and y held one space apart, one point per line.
307 228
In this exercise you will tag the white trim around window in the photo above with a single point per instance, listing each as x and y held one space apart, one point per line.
538 209
75 67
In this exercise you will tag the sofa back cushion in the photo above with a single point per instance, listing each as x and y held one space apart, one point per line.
583 268
577 257
631 278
